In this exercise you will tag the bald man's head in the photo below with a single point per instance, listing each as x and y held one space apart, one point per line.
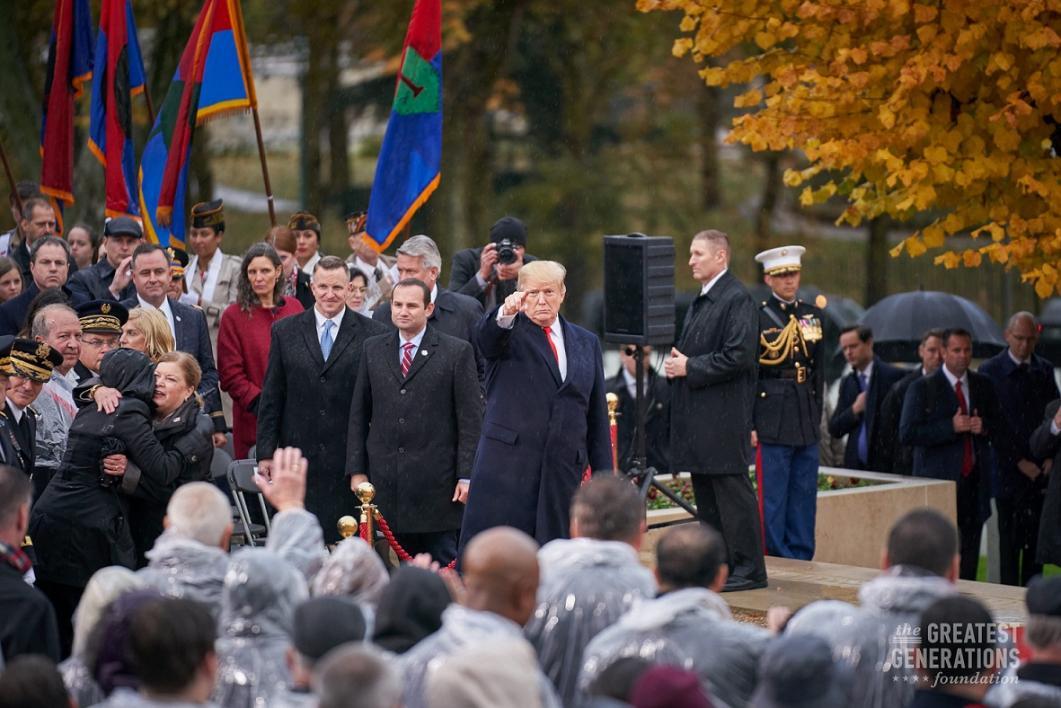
501 573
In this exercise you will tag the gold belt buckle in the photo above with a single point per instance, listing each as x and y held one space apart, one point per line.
801 375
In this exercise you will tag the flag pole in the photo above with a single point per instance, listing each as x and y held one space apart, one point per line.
150 107
11 179
265 166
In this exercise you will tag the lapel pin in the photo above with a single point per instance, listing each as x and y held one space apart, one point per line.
423 352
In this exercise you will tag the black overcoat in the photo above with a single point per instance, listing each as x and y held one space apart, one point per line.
77 525
1044 444
305 403
415 435
711 406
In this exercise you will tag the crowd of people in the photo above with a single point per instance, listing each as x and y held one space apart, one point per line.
478 414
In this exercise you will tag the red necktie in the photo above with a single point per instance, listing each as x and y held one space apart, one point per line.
552 344
967 445
407 357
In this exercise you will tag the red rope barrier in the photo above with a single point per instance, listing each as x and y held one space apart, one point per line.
402 554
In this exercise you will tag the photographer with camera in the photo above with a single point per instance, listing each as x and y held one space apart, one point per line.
489 273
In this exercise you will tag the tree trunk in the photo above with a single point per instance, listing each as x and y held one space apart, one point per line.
313 97
709 104
877 260
338 144
771 190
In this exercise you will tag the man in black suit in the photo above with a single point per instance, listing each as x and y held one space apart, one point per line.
656 400
453 314
892 455
1025 385
309 384
489 273
1045 443
953 420
49 267
110 278
861 394
414 425
712 371
152 276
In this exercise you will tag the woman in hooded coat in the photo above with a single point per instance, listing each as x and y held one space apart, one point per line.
80 523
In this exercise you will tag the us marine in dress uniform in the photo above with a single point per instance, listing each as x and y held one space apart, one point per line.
788 405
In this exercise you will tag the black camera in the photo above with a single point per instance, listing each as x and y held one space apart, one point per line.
506 251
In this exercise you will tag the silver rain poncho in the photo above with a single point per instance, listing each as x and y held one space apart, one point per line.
124 698
691 629
877 638
104 587
461 628
1014 689
586 585
55 409
184 568
258 604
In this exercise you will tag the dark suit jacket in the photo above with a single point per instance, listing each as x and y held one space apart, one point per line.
93 284
1045 445
539 432
303 293
18 449
305 402
711 406
892 456
193 337
657 420
13 312
927 425
415 436
455 314
462 278
1022 396
846 422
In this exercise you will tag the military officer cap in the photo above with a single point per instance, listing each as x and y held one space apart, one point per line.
123 226
209 214
6 341
779 261
33 360
355 220
304 221
102 316
178 261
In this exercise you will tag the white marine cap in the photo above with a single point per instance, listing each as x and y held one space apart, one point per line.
778 261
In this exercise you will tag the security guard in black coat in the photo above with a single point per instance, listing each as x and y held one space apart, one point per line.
788 406
657 412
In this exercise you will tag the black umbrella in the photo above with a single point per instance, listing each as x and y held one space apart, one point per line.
899 321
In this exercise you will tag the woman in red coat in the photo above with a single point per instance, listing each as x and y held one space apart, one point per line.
243 338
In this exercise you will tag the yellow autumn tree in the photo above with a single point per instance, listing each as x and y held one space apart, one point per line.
951 106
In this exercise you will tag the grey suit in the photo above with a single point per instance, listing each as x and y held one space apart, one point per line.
305 402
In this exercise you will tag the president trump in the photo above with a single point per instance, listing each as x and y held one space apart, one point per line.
546 417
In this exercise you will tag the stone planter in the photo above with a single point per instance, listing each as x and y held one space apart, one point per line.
852 524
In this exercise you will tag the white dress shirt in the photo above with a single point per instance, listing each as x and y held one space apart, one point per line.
711 283
415 340
321 319
965 387
308 268
213 272
165 310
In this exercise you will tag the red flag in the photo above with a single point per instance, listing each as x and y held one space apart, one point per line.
69 66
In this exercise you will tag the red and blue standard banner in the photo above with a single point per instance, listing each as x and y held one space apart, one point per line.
410 161
213 79
118 76
69 67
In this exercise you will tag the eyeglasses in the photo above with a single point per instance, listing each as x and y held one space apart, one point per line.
96 342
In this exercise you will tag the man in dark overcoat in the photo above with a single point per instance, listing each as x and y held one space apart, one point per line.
309 383
954 423
414 425
656 401
546 418
713 372
1046 443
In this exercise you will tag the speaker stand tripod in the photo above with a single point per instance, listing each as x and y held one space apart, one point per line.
640 473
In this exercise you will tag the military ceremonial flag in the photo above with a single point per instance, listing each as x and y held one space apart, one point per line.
409 166
212 79
69 67
118 76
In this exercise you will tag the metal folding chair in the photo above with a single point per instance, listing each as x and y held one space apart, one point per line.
241 482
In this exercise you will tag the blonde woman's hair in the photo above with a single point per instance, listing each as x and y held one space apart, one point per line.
158 340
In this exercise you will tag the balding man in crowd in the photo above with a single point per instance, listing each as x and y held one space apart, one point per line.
689 624
1025 385
59 327
501 577
190 558
357 676
546 418
589 580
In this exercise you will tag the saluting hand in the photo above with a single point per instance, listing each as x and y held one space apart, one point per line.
675 366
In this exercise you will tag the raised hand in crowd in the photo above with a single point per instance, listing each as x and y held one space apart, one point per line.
285 486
